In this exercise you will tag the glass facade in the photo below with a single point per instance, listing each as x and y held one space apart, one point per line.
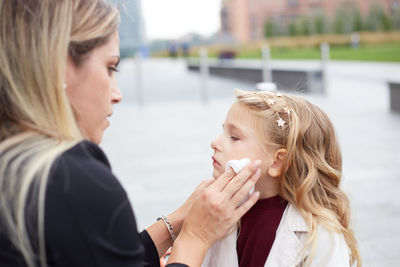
131 31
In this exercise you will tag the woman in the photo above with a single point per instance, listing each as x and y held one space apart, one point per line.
60 205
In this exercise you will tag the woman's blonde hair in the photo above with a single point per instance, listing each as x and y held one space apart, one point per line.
37 122
313 164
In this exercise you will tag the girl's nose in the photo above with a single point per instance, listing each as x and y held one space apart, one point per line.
215 144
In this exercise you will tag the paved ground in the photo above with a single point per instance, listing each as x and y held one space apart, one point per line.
160 151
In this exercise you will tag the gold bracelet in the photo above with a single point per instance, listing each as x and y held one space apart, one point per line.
169 227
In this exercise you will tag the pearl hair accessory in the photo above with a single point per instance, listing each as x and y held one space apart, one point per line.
64 85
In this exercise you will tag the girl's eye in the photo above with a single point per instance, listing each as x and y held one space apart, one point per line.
233 138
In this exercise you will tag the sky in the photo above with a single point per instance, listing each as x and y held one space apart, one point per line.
170 19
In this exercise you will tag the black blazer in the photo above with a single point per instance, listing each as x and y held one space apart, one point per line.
88 218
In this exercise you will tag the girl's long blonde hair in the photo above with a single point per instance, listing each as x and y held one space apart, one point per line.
37 123
313 165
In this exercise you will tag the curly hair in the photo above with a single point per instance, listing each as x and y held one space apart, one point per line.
312 170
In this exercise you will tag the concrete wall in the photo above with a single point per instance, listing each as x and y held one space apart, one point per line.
309 81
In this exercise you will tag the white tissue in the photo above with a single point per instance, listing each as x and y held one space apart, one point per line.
237 165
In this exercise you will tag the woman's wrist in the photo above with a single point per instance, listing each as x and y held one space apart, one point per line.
161 235
188 249
176 219
169 227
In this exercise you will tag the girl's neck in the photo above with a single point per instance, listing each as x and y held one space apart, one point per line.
268 187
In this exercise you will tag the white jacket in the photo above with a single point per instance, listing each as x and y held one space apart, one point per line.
288 247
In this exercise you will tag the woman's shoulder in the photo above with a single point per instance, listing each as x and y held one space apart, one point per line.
84 168
85 151
81 184
88 218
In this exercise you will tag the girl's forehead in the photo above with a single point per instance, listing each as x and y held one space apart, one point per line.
240 112
251 124
241 116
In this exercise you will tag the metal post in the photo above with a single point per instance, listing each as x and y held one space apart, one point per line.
204 73
266 59
324 65
138 79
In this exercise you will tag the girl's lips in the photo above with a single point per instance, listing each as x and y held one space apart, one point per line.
215 162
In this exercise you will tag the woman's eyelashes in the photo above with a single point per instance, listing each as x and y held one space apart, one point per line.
112 69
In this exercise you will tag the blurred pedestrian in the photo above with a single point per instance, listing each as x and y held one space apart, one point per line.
60 204
355 40
185 49
172 49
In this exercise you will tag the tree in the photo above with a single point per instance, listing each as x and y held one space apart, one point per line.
386 22
304 26
358 22
347 18
374 18
319 24
293 31
269 29
273 28
338 25
396 19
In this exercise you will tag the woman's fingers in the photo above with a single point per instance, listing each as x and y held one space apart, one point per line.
204 184
242 209
223 179
216 210
199 189
237 182
244 191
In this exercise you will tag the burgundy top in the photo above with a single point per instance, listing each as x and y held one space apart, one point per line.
257 231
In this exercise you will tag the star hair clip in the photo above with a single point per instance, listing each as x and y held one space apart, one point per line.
271 101
281 122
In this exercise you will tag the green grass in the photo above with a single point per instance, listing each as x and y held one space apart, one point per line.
368 52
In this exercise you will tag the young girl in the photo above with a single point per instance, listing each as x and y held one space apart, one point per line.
303 216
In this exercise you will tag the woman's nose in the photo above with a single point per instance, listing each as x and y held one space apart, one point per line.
116 96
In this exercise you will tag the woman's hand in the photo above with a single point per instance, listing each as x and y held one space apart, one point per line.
158 232
178 216
214 212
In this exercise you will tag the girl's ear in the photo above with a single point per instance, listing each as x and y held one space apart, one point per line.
275 169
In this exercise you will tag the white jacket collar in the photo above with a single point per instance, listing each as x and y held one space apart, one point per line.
291 235
288 247
288 236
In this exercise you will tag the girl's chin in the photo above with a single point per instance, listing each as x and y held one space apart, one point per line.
216 174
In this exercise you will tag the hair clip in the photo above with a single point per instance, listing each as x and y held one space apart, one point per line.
271 101
281 122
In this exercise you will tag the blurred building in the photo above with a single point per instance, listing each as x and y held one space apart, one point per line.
131 30
244 20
